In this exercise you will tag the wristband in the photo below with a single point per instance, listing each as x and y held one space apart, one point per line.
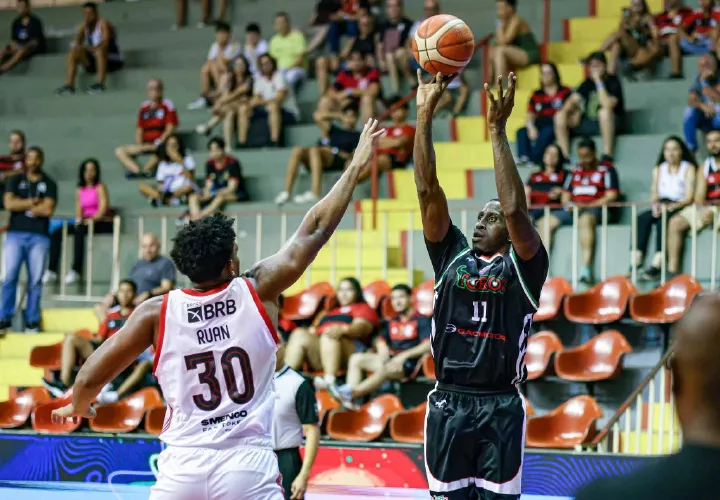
158 142
349 91
600 86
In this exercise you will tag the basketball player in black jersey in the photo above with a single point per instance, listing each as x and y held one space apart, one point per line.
486 293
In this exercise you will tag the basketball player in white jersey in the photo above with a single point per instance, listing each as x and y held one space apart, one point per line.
215 348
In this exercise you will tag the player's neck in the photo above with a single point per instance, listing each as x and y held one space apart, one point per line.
490 254
209 285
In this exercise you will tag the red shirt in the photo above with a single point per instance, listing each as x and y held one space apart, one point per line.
586 186
667 24
112 322
541 184
346 314
699 23
347 80
153 119
286 326
8 162
712 179
352 6
395 132
401 335
544 106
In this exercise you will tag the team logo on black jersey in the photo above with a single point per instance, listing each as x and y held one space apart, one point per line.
472 283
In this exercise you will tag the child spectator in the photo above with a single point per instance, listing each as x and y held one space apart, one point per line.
396 145
222 52
174 175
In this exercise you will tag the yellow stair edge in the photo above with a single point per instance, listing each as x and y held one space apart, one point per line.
19 372
69 320
454 183
19 345
609 8
393 277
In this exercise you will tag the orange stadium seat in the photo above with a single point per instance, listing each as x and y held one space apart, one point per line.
41 417
325 403
126 414
47 357
540 348
375 292
16 411
155 420
423 296
529 410
570 424
365 424
604 303
428 367
408 426
599 358
667 303
305 304
551 298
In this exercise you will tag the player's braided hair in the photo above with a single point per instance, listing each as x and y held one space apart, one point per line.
201 249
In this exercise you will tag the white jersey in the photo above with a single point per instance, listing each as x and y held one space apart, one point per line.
215 363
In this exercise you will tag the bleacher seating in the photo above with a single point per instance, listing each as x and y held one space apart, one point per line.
408 426
600 358
602 304
16 412
666 303
155 420
127 414
366 423
551 298
540 350
569 425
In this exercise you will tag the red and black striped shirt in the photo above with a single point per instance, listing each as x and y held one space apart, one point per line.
667 23
701 23
712 179
541 183
586 186
544 106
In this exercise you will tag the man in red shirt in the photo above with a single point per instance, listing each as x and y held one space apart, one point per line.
14 162
395 147
157 120
358 83
667 29
699 33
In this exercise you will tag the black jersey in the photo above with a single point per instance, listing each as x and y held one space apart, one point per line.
482 314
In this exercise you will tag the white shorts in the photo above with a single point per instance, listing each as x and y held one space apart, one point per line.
241 473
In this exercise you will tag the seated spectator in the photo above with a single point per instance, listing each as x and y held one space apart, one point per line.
596 107
336 335
539 130
318 26
455 97
207 13
222 52
255 46
365 42
27 38
76 347
667 32
133 378
235 92
344 21
403 341
95 48
285 326
633 39
590 185
703 101
707 198
515 46
358 83
673 185
92 205
395 147
224 183
175 175
153 275
333 152
699 33
273 100
544 187
157 120
391 54
287 47
30 198
13 163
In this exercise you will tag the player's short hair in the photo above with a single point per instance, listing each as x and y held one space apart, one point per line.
201 249
130 283
587 142
402 287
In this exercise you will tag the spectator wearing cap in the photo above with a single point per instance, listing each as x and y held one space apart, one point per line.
12 163
222 52
27 38
703 108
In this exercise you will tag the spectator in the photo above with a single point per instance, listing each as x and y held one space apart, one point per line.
700 31
26 38
174 175
403 342
77 346
235 92
667 32
707 197
392 56
633 39
255 46
319 24
545 188
589 186
95 47
207 13
703 112
596 106
92 205
273 100
222 52
431 8
30 198
539 130
338 333
515 46
395 147
365 42
13 163
333 152
157 120
345 21
135 377
224 183
358 83
154 275
673 184
287 47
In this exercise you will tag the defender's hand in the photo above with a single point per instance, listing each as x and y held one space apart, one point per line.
428 94
501 106
367 144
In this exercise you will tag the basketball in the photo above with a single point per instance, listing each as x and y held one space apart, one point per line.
444 44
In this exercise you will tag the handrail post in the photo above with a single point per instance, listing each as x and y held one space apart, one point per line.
663 244
89 260
693 242
633 243
163 234
359 256
409 248
575 233
374 188
713 253
115 279
258 236
385 244
604 236
141 231
63 256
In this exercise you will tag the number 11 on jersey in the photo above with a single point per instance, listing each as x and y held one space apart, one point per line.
476 311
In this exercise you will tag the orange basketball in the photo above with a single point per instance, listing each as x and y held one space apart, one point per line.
444 44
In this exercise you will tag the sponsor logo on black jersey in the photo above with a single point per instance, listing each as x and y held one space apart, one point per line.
475 333
467 281
197 312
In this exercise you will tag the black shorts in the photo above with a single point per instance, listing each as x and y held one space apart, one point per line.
474 444
338 163
290 464
112 64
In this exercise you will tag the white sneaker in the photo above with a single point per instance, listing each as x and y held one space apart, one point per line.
319 383
282 198
305 197
198 103
49 277
108 397
201 129
71 277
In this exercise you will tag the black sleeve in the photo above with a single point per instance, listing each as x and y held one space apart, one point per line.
384 331
614 88
612 181
51 191
408 24
424 328
208 169
35 29
15 28
443 252
11 185
586 88
306 404
532 273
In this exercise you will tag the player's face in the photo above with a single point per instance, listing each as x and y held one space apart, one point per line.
400 301
672 152
490 232
586 158
345 293
713 143
125 295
